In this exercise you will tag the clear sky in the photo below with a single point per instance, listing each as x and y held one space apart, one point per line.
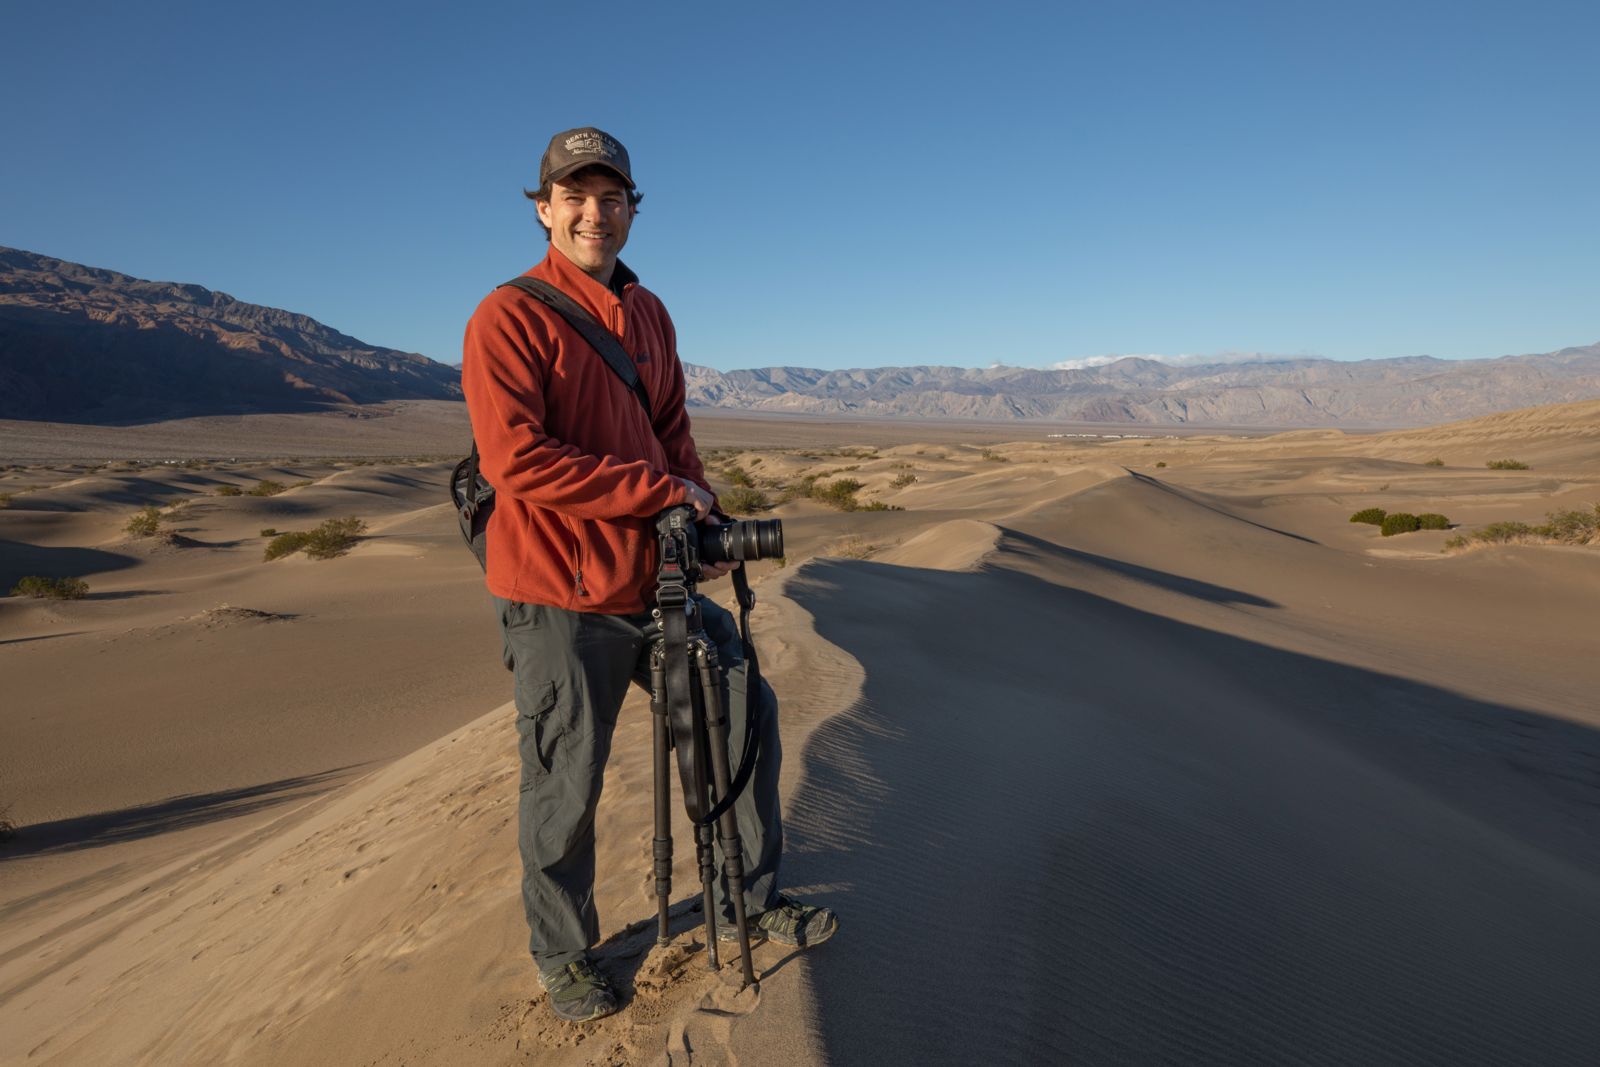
845 185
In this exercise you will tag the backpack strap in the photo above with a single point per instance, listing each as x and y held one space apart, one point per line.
600 339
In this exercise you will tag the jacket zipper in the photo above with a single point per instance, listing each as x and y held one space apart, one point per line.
577 558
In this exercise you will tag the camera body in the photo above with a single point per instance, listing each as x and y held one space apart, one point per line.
692 544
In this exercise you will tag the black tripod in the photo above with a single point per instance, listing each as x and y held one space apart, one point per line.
688 714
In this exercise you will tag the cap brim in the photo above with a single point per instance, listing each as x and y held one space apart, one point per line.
573 168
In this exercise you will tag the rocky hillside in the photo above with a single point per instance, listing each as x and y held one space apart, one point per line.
1412 391
78 344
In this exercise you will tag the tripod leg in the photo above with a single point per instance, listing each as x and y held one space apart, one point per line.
728 823
708 874
661 847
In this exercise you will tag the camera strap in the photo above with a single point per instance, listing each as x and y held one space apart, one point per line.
687 715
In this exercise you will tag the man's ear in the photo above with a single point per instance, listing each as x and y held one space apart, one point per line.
543 208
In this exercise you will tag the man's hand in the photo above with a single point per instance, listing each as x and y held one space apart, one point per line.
699 499
711 571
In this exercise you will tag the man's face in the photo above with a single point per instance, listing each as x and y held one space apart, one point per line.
588 216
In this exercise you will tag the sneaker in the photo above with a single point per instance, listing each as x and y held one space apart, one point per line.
789 923
578 992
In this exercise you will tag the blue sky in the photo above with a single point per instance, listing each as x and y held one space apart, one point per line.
840 185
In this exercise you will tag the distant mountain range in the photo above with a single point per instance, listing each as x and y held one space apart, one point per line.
79 344
1411 391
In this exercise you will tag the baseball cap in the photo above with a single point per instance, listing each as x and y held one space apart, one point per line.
572 150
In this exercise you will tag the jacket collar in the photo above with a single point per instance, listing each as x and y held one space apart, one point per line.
604 303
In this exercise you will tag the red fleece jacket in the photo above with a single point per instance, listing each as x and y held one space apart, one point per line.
579 470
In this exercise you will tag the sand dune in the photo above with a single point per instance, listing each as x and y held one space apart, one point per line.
1102 761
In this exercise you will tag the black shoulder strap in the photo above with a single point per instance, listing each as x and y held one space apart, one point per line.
600 339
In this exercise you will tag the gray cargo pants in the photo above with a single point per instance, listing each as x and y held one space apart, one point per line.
572 671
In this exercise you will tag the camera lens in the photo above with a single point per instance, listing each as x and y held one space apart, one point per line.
751 539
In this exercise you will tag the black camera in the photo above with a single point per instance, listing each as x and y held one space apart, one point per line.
691 544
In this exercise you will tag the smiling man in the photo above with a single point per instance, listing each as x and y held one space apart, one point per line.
581 468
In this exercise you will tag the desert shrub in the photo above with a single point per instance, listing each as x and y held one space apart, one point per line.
851 546
902 480
1432 520
146 522
334 537
229 490
840 494
1454 543
1502 532
1370 516
1434 462
1400 522
269 532
42 588
5 501
267 487
1507 465
1574 527
744 500
1161 463
301 484
878 505
738 476
285 544
994 457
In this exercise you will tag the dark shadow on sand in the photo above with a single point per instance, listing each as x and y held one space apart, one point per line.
1172 583
1166 487
1163 844
18 559
174 813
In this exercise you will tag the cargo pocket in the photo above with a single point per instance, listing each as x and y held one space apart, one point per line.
540 730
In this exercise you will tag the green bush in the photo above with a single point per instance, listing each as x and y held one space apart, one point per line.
5 501
229 490
301 484
1432 520
1161 463
840 494
878 505
1454 543
285 544
1507 465
744 500
1370 516
1434 462
269 532
994 457
1575 527
43 588
334 537
146 522
1503 532
1400 522
902 480
267 487
738 476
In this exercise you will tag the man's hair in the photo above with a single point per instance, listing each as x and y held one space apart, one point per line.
544 191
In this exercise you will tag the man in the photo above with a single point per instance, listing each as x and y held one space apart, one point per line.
580 471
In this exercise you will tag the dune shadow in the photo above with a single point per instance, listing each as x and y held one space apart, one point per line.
42 637
1060 829
19 559
1200 502
166 816
125 594
1173 583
